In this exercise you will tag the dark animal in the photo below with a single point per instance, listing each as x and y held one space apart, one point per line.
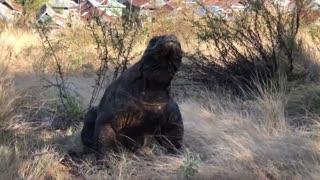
138 103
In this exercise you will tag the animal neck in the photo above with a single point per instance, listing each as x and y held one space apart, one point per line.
155 91
154 97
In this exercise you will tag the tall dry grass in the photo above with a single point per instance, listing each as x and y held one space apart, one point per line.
17 39
225 138
23 155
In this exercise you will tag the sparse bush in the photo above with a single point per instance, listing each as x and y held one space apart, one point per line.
253 44
74 106
114 50
29 12
190 165
52 68
114 44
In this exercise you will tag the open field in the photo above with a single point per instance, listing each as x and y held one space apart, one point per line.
274 133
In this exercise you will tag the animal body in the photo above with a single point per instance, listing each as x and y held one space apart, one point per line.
138 103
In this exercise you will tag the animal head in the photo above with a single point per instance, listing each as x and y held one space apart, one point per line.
165 50
162 59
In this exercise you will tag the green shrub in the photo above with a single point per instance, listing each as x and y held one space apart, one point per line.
190 164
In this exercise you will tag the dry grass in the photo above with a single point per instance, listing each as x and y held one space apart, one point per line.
17 39
12 151
229 139
225 137
23 154
309 52
18 48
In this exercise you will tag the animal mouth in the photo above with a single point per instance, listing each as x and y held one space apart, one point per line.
166 45
170 50
171 47
165 52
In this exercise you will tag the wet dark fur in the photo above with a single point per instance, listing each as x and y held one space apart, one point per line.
138 103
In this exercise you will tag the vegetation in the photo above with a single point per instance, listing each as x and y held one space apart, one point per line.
253 45
30 10
271 131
